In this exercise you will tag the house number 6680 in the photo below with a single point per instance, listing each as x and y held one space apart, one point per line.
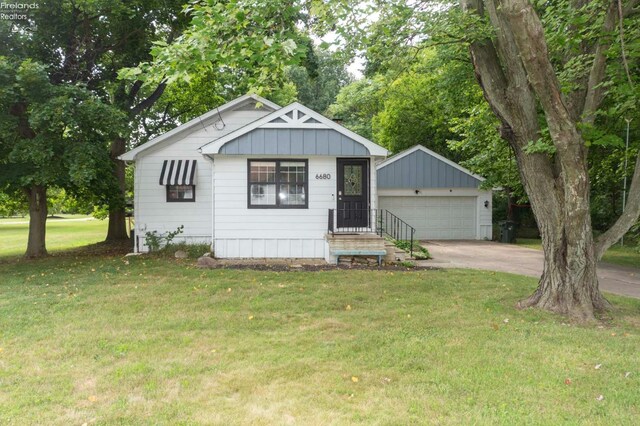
323 176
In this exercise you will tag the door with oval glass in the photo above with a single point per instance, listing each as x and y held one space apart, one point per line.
353 193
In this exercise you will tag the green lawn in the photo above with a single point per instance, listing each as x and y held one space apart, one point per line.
619 255
68 231
113 340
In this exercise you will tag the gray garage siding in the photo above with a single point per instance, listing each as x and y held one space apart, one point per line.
295 142
421 170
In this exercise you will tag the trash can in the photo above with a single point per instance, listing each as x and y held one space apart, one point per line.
507 232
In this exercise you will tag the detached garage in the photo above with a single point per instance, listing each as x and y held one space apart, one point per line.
438 197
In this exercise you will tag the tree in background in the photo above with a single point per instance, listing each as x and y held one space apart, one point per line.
86 42
226 48
13 203
318 80
357 104
50 135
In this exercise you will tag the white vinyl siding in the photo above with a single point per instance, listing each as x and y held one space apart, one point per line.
244 232
151 209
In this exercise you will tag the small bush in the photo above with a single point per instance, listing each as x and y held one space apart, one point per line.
193 251
155 240
419 252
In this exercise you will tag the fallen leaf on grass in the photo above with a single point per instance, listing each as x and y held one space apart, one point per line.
348 308
93 398
250 317
599 397
354 379
567 381
627 374
597 367
506 321
229 290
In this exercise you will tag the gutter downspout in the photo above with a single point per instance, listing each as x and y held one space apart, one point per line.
136 211
136 186
213 202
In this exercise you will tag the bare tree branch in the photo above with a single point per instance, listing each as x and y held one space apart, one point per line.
149 101
532 47
628 217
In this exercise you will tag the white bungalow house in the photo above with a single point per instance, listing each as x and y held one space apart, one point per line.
256 180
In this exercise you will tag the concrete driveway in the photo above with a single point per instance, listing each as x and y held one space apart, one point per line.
494 256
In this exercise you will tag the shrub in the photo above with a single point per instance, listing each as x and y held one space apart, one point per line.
155 240
192 250
419 252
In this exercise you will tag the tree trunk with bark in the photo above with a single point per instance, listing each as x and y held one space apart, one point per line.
518 80
117 228
36 246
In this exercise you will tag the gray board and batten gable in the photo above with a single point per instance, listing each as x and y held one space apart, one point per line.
420 169
283 141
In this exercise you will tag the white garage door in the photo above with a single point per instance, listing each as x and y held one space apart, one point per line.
436 218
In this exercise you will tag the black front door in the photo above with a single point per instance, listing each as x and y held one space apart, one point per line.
353 193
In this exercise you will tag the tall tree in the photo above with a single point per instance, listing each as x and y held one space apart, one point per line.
544 68
87 42
516 71
50 135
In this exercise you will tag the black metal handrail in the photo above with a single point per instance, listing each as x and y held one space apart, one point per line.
380 222
349 221
397 228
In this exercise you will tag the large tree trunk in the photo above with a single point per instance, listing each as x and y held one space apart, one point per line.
37 196
117 229
518 81
569 284
560 203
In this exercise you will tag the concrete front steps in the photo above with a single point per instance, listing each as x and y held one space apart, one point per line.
363 241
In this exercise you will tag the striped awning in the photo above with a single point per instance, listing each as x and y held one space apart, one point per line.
178 172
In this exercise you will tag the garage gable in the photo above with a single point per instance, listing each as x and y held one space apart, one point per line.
419 167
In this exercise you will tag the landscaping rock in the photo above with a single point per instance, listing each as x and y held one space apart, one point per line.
207 255
181 254
206 262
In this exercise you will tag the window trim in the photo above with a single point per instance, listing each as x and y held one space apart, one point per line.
181 200
277 205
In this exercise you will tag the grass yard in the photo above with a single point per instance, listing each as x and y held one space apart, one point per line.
109 340
618 255
65 232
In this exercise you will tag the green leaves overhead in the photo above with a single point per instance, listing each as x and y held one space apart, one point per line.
239 35
51 134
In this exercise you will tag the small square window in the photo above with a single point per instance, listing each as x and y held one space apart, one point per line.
181 193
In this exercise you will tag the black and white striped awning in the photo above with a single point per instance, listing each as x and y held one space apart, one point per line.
178 172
